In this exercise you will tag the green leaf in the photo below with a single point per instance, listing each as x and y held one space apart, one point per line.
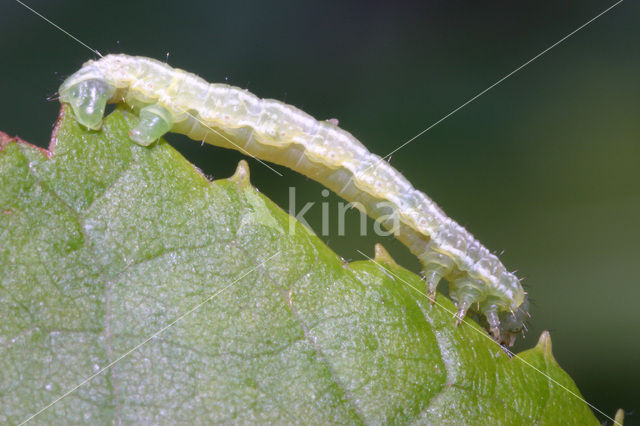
104 243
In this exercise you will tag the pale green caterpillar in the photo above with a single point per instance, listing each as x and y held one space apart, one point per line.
169 99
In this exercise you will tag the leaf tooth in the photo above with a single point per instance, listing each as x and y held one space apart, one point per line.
544 344
241 175
383 256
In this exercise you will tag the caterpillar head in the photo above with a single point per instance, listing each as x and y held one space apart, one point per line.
512 323
87 92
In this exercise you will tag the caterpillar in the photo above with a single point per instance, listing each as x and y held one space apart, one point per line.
173 100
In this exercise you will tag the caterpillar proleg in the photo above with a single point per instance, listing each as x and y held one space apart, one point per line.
169 99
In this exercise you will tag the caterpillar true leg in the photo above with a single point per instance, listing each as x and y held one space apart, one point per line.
436 267
433 274
155 121
88 99
494 322
465 292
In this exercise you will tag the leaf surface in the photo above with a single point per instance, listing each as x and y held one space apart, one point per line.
105 245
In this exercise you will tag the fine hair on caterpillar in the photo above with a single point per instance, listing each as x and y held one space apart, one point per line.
173 100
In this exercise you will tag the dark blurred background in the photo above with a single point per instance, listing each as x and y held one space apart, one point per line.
544 166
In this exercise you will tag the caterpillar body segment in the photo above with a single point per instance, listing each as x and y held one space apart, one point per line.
169 99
